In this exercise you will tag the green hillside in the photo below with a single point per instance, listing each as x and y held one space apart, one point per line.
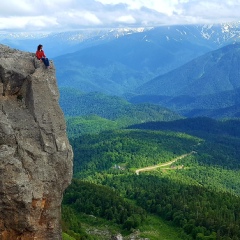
128 150
75 103
95 112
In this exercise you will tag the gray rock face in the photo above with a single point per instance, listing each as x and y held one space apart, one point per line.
35 155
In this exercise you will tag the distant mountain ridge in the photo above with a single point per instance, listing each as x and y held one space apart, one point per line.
60 43
221 34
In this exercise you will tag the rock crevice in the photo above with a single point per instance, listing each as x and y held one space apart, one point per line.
35 154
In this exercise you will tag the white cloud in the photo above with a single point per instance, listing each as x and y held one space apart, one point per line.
20 23
14 8
80 17
30 15
126 19
162 6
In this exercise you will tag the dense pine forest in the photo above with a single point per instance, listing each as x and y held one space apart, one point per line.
192 187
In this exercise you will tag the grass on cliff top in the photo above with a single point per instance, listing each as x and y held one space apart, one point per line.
154 228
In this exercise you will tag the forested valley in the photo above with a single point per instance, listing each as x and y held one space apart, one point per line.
194 197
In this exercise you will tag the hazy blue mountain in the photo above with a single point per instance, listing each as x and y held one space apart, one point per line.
214 72
123 64
207 83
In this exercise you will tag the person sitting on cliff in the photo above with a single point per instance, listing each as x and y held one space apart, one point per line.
41 56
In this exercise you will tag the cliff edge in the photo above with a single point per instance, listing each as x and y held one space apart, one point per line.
35 154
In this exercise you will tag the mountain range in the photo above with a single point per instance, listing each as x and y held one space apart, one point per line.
122 65
58 43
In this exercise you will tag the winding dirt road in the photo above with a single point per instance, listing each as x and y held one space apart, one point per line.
150 168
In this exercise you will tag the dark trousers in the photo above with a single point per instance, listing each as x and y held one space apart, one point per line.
45 61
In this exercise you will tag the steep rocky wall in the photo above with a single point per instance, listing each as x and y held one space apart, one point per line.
35 155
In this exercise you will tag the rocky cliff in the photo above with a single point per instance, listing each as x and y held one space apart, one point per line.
35 155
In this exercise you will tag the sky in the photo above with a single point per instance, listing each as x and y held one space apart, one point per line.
62 15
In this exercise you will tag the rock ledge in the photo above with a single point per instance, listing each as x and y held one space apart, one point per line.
35 154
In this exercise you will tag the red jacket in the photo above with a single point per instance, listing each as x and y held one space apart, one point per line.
40 54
